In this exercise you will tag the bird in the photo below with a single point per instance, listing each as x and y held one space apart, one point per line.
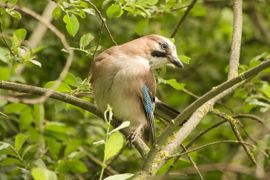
123 77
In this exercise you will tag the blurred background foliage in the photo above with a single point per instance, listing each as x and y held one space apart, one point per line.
58 140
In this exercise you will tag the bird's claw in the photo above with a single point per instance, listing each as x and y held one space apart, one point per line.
134 135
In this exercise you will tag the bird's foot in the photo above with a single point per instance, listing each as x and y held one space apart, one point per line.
134 135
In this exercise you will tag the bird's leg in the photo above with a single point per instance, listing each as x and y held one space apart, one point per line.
136 133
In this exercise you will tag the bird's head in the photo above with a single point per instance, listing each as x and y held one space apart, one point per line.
161 51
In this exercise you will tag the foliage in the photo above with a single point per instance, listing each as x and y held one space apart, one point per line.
56 140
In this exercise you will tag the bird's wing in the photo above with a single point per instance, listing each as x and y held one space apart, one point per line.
148 104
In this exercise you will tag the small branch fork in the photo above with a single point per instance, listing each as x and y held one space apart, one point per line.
63 40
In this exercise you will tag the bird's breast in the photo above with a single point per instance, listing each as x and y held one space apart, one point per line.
118 83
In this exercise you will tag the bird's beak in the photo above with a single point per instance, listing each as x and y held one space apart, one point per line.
177 62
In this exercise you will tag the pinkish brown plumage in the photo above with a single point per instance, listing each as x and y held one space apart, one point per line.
122 77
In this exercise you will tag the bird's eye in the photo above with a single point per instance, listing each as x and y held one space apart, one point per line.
164 46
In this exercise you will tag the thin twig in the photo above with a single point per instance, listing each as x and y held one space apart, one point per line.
39 32
109 170
194 140
139 143
192 162
217 167
103 21
63 40
236 39
172 136
211 144
181 20
233 123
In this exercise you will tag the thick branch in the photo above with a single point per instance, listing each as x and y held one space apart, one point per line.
63 40
180 22
139 144
168 141
236 39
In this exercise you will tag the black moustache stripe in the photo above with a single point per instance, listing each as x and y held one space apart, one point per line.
158 54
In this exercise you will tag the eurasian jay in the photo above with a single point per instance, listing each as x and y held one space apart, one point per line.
122 76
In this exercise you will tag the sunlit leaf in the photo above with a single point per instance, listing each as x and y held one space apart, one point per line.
72 24
176 85
113 145
43 174
26 117
4 145
20 34
266 89
56 12
184 59
14 13
14 108
35 62
142 26
114 10
120 176
19 141
85 40
63 87
122 126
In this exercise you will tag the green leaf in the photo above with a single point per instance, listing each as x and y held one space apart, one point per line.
113 145
77 166
72 24
142 26
176 85
85 40
63 87
4 55
70 79
26 117
265 89
148 2
73 165
114 10
14 108
184 59
120 176
198 10
122 126
43 174
72 145
35 62
5 73
54 147
12 1
4 145
20 34
19 141
56 13
14 13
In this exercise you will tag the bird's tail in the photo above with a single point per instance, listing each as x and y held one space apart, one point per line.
165 111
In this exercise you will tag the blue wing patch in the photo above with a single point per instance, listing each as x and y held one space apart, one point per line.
149 110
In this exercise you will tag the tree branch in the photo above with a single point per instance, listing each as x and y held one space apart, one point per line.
236 39
168 140
139 143
172 137
180 22
63 40
103 21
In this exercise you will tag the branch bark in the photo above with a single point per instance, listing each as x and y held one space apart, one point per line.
139 143
63 40
170 139
236 39
180 22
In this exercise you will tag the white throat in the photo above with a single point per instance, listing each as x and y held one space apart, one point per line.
158 62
